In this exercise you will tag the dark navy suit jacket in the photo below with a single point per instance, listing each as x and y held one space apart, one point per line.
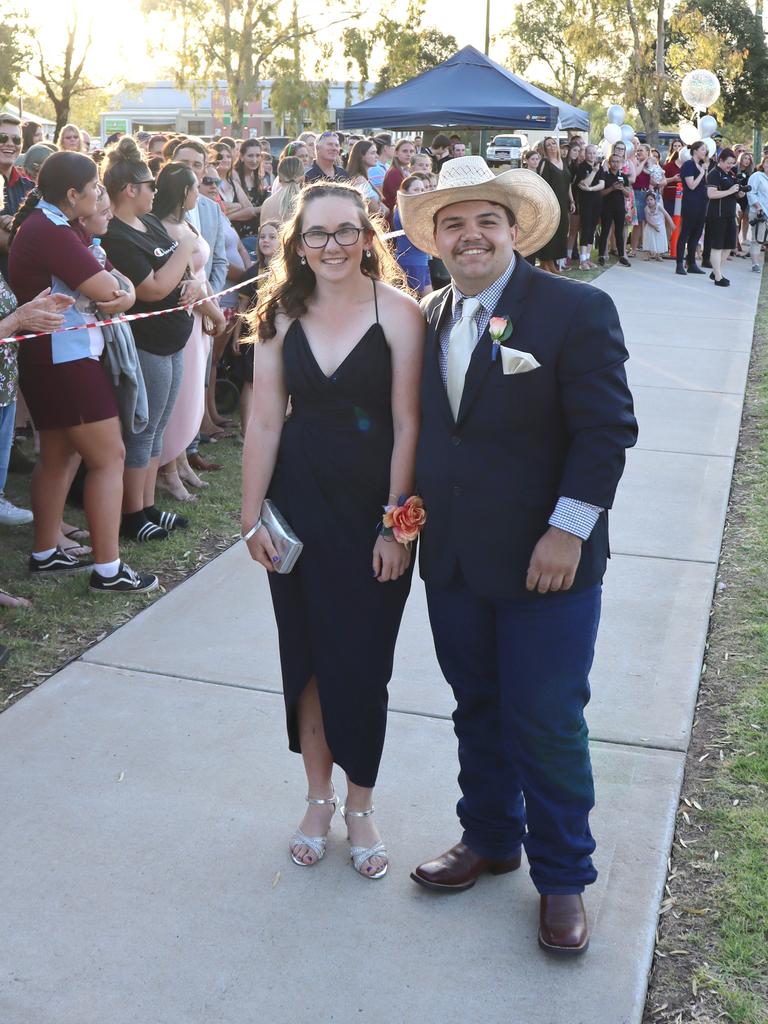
491 480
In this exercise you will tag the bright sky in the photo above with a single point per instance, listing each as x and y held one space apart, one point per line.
127 50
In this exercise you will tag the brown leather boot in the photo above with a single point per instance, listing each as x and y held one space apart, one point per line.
459 868
563 926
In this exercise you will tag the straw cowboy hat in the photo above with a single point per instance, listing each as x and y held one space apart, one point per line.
525 193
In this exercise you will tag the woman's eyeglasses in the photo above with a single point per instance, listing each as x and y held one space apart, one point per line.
13 139
316 239
144 181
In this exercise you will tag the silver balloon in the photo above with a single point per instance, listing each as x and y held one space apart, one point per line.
685 154
700 88
612 133
630 147
707 126
627 131
615 114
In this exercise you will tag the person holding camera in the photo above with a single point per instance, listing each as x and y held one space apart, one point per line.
693 175
722 190
758 211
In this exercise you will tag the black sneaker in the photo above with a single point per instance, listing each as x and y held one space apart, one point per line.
601 261
58 564
680 269
723 283
625 262
125 581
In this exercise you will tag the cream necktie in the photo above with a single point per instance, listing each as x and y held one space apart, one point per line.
461 345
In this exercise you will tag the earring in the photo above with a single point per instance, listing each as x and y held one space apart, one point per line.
368 253
303 261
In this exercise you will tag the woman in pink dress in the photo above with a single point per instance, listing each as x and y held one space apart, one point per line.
177 194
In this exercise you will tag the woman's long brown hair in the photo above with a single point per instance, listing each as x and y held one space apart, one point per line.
290 283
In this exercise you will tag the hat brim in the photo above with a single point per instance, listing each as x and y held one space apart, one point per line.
525 193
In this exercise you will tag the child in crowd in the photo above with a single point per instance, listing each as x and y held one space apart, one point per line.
268 246
413 261
657 221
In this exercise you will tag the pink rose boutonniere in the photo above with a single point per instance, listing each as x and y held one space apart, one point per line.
500 328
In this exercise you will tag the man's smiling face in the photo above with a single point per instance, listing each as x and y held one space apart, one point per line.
476 242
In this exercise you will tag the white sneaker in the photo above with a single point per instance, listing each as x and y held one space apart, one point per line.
12 516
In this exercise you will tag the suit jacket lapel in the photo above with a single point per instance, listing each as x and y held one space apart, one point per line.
510 305
437 322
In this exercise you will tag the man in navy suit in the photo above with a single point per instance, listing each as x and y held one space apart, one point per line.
526 418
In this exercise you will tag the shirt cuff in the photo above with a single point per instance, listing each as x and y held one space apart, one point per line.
575 517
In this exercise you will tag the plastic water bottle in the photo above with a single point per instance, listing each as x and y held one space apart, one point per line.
83 304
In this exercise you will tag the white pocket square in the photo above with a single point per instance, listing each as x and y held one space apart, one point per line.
515 361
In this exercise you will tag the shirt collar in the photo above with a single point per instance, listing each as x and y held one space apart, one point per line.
490 296
13 177
53 213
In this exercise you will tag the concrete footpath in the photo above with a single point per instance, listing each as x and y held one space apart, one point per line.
148 794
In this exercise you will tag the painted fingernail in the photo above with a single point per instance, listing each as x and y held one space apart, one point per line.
275 558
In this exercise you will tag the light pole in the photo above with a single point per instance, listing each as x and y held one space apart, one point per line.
758 141
484 132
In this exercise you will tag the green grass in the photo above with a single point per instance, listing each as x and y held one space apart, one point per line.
66 618
720 858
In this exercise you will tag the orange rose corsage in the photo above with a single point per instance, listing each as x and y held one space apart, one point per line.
405 520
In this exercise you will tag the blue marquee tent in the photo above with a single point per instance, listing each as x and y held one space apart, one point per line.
468 90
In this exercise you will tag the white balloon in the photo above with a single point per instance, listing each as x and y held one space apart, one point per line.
689 133
627 131
612 133
630 147
700 88
711 147
685 154
707 126
615 114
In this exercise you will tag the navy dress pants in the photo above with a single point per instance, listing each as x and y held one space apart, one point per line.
519 672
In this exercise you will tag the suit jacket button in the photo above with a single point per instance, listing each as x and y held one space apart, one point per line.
456 440
456 489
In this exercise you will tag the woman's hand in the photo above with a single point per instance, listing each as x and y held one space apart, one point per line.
262 549
120 301
390 559
191 291
43 313
217 318
572 206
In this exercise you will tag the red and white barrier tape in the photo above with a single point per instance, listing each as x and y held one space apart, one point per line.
125 318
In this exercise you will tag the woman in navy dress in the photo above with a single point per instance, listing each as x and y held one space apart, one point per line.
346 347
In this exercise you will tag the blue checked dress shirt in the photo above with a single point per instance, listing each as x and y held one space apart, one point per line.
574 516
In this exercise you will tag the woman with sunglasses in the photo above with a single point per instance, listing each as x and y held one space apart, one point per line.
158 265
346 346
177 194
64 382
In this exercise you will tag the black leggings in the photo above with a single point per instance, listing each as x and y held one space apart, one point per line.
612 217
691 227
590 218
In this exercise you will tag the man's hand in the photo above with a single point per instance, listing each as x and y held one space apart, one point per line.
554 562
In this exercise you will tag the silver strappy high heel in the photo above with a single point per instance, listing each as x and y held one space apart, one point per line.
315 843
360 854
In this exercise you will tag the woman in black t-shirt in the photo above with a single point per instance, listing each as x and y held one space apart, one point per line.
588 186
139 246
722 190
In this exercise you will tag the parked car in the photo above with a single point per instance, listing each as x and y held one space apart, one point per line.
505 149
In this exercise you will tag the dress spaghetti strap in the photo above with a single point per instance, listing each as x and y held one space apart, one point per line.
375 300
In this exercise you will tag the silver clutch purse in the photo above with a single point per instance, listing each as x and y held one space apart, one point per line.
285 542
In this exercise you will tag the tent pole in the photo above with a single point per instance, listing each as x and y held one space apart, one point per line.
484 132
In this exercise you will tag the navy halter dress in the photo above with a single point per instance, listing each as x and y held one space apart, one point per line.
335 620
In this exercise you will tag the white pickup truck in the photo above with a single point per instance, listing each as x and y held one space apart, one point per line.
505 149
